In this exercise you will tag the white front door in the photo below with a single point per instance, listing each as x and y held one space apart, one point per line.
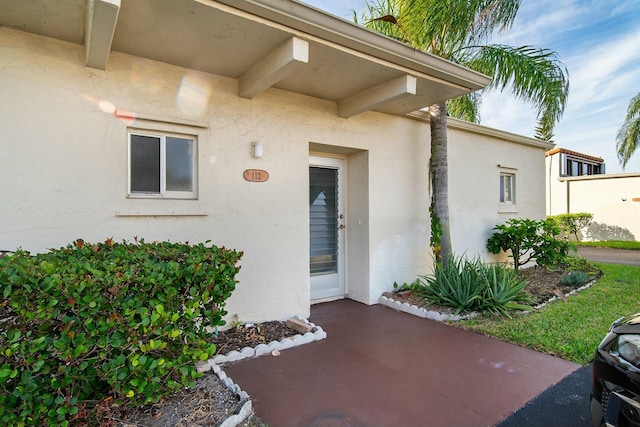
326 225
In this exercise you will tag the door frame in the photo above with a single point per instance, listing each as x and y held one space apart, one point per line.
338 163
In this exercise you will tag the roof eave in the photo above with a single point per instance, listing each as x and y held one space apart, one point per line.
486 131
320 24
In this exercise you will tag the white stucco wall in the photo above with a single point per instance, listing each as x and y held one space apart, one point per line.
613 200
63 167
555 192
64 170
475 163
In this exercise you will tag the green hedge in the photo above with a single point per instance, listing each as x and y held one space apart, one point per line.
125 321
572 223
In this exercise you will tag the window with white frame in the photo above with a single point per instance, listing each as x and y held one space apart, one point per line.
162 165
507 188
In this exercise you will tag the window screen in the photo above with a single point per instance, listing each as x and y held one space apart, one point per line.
145 164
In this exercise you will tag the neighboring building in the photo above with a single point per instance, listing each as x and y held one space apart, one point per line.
264 125
577 182
572 163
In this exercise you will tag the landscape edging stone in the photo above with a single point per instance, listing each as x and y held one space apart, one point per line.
245 408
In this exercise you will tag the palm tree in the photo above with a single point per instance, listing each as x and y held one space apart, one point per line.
458 30
629 134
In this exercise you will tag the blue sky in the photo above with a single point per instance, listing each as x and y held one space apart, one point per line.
598 41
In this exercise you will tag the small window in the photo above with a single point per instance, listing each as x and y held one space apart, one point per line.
575 168
507 188
162 165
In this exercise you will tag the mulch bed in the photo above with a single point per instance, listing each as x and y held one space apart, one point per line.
241 336
543 284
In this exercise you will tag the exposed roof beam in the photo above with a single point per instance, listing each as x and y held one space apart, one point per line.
407 105
376 96
315 22
274 67
100 26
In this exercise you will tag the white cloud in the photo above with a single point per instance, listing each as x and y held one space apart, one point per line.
598 69
539 23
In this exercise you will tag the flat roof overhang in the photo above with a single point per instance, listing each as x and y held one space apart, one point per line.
261 43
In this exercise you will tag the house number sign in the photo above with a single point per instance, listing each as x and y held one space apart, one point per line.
256 175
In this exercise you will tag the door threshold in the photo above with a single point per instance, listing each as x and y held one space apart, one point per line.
327 299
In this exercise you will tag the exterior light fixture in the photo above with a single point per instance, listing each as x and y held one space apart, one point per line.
257 150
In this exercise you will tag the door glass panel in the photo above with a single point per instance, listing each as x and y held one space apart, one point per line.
323 220
145 164
179 164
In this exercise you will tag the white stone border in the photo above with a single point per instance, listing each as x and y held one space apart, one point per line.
554 298
316 334
445 317
423 312
244 408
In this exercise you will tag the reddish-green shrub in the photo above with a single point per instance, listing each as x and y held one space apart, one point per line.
125 321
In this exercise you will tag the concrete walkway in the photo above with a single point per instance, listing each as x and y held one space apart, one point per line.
610 256
380 367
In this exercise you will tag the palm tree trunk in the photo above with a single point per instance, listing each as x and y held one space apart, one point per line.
439 175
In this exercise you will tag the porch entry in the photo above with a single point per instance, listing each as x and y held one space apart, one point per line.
326 225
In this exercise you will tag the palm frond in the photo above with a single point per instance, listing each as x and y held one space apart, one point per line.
437 27
495 16
628 137
384 16
531 74
633 110
442 28
543 132
466 107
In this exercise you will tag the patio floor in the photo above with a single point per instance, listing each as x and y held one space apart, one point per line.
380 367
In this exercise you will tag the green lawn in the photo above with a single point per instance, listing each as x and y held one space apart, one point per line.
571 330
617 244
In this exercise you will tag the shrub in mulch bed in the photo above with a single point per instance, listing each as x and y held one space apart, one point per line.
110 322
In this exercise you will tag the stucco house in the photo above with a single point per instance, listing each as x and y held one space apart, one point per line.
578 182
263 125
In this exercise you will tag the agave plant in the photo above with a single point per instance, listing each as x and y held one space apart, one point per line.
574 278
454 283
502 289
468 285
